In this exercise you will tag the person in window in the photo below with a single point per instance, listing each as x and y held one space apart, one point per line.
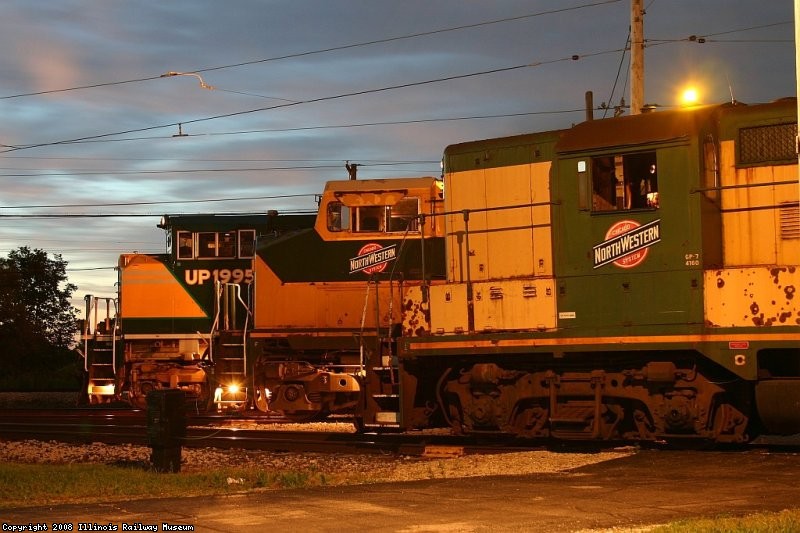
335 217
184 246
642 193
650 187
227 245
604 182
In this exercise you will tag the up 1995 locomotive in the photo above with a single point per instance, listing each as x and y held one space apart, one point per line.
628 278
161 329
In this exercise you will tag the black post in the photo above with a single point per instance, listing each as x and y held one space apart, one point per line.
166 426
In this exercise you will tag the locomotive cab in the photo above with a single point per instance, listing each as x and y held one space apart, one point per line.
329 300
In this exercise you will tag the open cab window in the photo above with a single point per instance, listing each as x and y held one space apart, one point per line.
624 182
398 218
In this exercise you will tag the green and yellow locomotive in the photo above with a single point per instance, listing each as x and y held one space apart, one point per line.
630 278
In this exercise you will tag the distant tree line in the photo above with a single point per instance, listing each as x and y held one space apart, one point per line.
37 323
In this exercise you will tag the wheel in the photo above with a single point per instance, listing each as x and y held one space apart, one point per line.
358 422
261 395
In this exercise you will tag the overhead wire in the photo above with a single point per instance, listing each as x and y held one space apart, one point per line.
574 57
325 50
334 126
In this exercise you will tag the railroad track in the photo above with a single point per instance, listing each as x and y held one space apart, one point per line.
213 431
130 426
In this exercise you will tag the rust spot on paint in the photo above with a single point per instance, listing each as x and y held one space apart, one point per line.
784 317
775 273
789 291
720 283
758 320
754 308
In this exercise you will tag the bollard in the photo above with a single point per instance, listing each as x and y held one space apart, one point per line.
166 427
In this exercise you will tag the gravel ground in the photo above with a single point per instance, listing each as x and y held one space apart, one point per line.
339 468
354 467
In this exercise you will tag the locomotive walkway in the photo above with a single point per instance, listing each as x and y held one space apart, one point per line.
649 487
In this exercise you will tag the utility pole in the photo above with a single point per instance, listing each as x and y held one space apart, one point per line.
637 57
797 69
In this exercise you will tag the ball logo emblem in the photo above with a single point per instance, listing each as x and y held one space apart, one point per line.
372 258
633 259
369 248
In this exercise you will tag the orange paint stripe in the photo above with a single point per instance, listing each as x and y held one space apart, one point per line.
611 341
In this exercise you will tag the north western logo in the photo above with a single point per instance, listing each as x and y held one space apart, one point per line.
627 243
372 258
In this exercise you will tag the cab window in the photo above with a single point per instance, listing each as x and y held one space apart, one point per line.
403 215
400 217
338 217
185 245
226 244
247 242
206 245
625 182
370 219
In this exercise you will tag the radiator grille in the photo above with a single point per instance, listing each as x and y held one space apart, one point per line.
789 213
768 143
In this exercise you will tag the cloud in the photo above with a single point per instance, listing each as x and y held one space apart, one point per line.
59 45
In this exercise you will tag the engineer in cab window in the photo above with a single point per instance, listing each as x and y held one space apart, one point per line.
185 246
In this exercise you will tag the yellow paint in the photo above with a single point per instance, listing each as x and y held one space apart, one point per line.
149 290
514 305
330 306
449 309
501 227
766 245
756 296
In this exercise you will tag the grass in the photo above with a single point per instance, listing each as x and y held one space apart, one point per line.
787 521
30 485
26 485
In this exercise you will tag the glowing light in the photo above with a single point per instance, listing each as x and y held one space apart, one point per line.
233 389
690 96
101 390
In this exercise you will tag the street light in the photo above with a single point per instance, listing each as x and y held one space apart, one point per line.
203 84
690 97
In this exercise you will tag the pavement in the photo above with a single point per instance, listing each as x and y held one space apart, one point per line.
649 487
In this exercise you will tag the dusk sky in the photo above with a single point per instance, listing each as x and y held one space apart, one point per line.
302 86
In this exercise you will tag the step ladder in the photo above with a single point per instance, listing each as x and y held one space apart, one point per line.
230 372
382 395
99 338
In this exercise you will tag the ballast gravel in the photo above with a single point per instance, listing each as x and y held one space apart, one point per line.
358 468
337 468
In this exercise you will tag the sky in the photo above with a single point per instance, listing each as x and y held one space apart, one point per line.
89 122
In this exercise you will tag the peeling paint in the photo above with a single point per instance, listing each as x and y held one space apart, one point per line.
752 296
